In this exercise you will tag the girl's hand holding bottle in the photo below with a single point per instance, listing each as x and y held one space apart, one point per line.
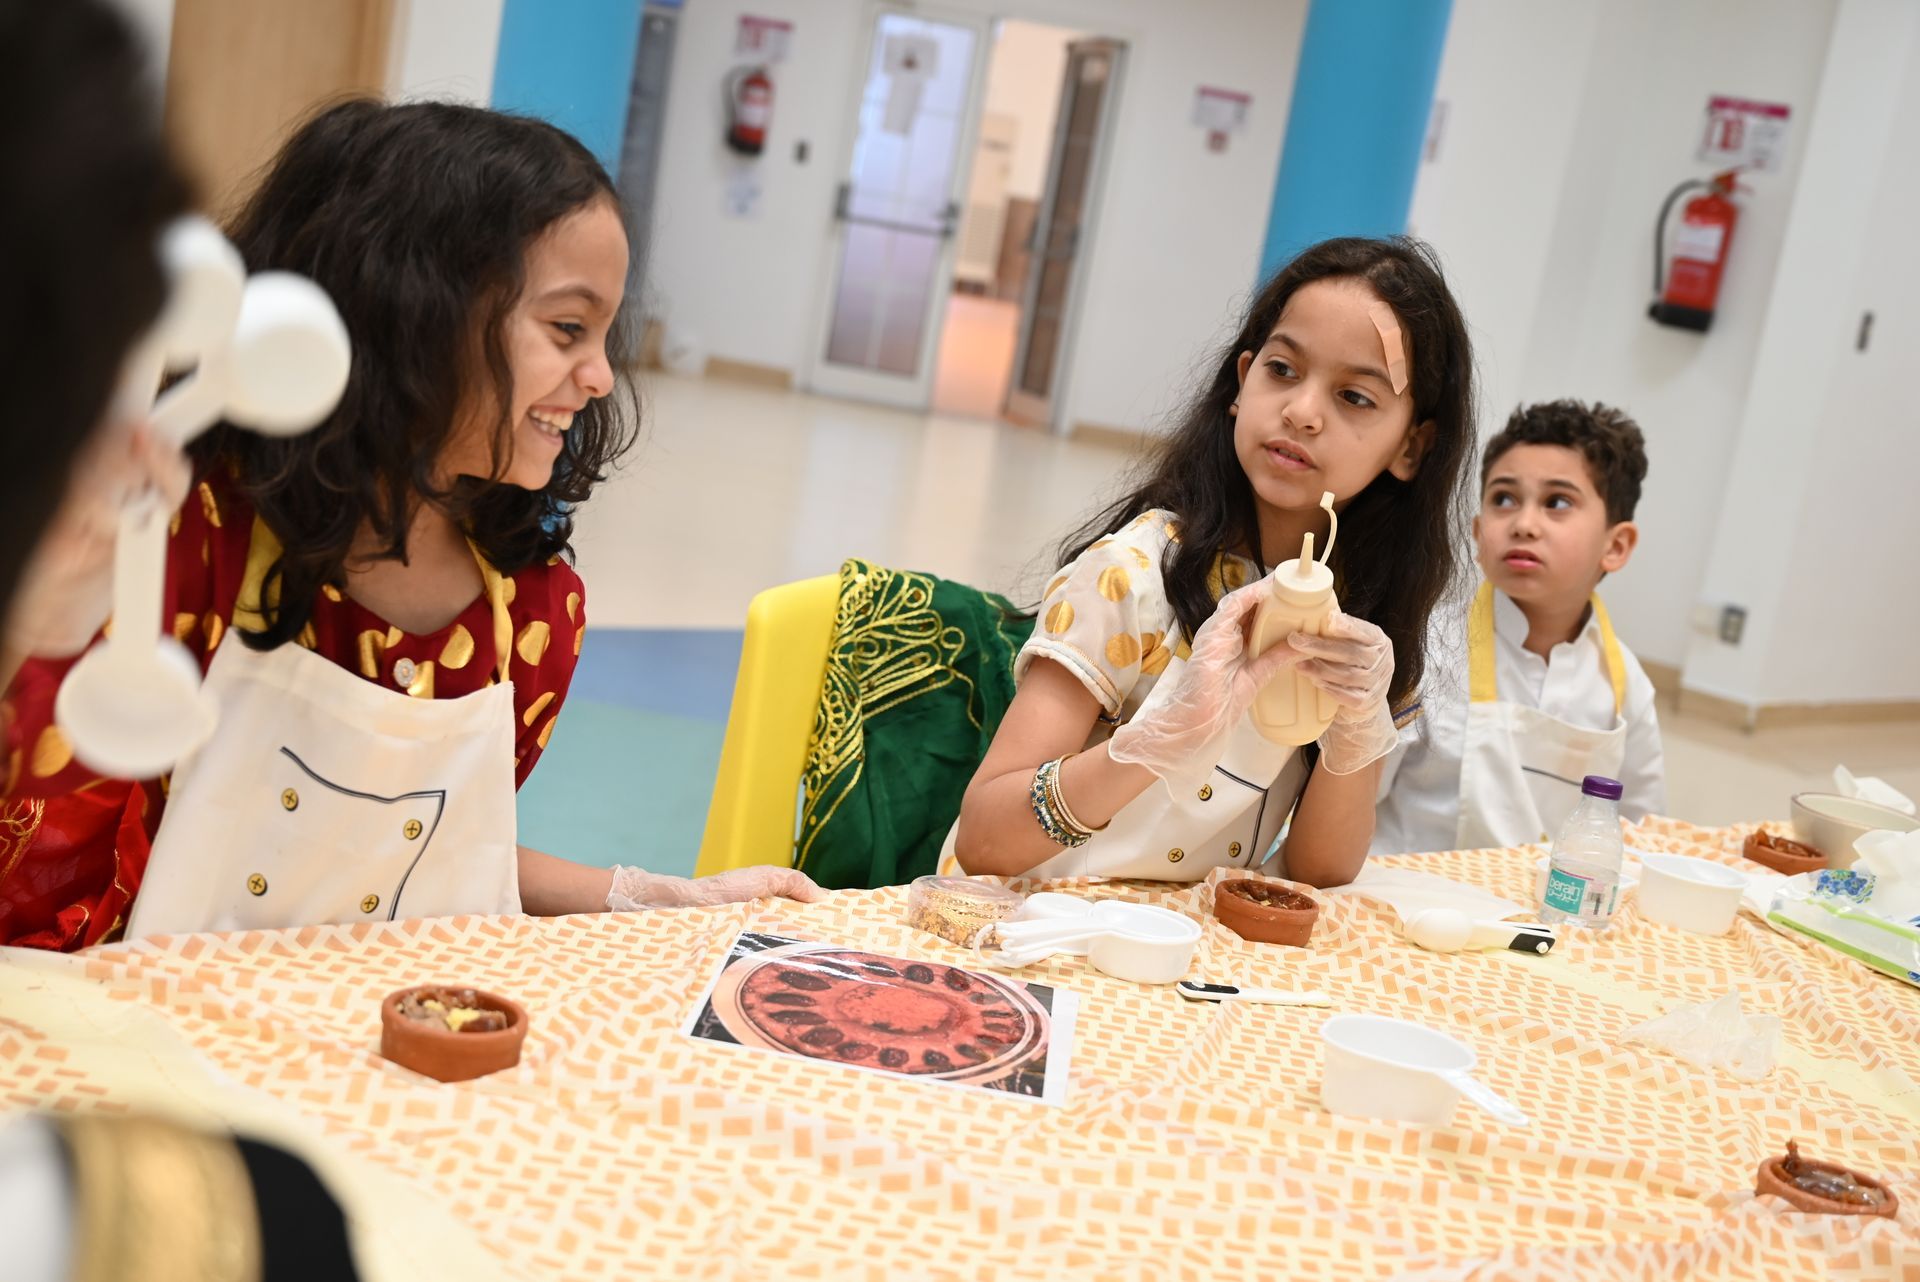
1353 663
1182 737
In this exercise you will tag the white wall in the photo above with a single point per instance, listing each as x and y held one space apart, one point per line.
1821 547
444 49
1023 81
1781 461
1567 126
1178 237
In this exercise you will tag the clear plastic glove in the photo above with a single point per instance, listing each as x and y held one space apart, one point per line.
1181 738
1353 663
66 592
636 888
1715 1034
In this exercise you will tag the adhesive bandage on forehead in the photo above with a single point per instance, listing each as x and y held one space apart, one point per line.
1392 343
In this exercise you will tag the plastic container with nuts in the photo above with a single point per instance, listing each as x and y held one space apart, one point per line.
958 908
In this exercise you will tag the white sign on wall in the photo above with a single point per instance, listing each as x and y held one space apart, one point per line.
1744 134
761 39
1221 112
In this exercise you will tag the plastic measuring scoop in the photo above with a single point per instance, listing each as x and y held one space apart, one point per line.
1397 1070
1137 942
268 353
1024 941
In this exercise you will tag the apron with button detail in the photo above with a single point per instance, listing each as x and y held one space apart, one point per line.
324 798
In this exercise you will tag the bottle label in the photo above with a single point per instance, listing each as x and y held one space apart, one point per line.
1580 896
1565 891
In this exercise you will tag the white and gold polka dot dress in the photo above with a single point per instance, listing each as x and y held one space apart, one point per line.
1105 618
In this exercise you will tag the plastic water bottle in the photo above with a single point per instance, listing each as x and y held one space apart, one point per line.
1583 878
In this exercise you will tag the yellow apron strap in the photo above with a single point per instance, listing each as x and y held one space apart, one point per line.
1610 646
1482 688
497 586
263 549
1480 670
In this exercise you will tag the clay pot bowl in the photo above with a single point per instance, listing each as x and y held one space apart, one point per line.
1773 1179
1265 912
441 1053
1782 854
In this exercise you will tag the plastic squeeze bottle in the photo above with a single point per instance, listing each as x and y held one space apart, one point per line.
1290 709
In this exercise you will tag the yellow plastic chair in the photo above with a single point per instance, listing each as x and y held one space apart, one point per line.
783 662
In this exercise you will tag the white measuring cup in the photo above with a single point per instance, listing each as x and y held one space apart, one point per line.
269 353
1136 942
1400 1071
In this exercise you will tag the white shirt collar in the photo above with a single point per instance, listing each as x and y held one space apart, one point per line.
1510 622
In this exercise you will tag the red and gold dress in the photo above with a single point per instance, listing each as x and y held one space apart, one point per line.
74 845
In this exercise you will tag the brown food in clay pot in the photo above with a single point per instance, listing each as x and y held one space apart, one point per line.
1783 854
1261 912
451 1034
1822 1187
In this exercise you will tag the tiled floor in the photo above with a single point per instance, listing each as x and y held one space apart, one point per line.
976 356
738 488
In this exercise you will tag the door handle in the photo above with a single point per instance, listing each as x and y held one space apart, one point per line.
943 227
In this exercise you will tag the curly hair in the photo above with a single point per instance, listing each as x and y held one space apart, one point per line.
416 218
1400 541
89 189
1611 443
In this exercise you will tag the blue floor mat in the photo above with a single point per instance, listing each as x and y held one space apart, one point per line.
628 773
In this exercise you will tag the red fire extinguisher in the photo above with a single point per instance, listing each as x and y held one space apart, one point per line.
1687 285
749 110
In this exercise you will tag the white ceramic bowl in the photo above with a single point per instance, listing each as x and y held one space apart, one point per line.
1390 1069
1693 894
1156 948
1831 823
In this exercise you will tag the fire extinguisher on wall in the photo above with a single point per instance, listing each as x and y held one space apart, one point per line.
1686 284
749 110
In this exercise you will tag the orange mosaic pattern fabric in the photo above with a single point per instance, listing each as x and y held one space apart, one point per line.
1192 1144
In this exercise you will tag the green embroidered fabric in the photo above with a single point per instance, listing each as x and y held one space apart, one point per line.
919 674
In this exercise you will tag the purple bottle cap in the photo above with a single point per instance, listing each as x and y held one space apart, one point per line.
1601 786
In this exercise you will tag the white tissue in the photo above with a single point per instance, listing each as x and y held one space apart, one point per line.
1894 860
1715 1035
1870 788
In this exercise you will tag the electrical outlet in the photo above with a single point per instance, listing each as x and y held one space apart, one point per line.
1733 622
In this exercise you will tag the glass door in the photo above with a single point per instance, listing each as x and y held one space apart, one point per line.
896 211
1086 103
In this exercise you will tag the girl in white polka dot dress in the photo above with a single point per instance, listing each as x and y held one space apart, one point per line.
1127 751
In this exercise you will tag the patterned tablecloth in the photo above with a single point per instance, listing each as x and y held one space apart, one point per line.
1192 1143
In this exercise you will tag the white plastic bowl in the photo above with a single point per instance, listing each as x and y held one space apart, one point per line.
1391 1069
1693 894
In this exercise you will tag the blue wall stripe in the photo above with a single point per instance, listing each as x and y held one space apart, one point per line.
570 62
1361 100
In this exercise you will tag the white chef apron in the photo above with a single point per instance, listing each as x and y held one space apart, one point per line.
1520 769
323 797
1229 821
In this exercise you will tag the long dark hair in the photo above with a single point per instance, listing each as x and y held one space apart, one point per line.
1398 551
416 219
89 187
